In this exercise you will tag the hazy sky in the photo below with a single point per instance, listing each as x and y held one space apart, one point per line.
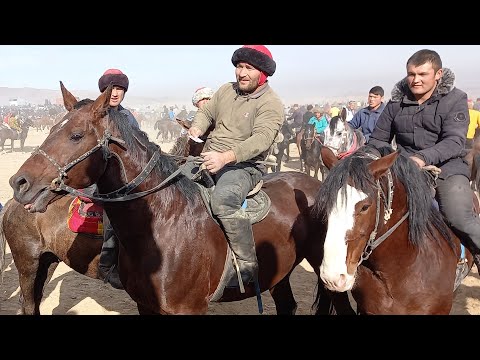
304 73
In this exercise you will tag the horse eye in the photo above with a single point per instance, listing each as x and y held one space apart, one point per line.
76 137
339 133
365 207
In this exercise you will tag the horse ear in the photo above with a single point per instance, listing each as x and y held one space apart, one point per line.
183 123
328 157
68 99
379 167
101 104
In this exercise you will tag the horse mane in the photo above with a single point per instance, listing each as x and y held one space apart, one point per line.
179 146
132 136
424 218
332 125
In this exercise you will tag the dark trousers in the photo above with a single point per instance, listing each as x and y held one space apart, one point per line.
454 197
232 185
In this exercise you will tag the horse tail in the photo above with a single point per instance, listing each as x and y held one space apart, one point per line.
3 246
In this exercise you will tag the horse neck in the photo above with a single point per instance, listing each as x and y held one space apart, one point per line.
125 166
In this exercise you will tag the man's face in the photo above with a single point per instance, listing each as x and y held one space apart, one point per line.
247 77
422 79
374 101
117 96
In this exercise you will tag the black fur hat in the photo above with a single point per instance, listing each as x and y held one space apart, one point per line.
256 55
114 76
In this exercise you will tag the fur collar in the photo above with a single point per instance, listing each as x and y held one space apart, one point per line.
445 85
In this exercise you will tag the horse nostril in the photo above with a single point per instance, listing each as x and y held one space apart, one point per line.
20 183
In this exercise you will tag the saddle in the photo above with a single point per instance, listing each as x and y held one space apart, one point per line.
255 207
85 216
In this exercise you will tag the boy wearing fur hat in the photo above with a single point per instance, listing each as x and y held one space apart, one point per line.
120 86
107 266
429 117
247 115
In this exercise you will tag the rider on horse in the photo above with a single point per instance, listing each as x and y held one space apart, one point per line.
429 118
107 268
248 115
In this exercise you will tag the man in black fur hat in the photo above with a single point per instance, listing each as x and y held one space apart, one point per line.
430 118
247 115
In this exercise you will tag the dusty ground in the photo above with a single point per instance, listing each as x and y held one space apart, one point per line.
71 293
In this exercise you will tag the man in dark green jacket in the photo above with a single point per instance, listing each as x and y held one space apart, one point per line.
247 115
429 118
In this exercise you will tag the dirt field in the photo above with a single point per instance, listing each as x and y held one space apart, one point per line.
74 294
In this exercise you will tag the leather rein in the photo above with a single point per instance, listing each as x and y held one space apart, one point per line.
123 193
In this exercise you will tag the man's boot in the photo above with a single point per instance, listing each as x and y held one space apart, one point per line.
240 236
107 265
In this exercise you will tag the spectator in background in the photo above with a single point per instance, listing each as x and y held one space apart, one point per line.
366 118
476 106
296 118
334 111
308 115
348 111
473 125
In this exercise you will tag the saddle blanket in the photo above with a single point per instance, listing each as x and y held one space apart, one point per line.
85 216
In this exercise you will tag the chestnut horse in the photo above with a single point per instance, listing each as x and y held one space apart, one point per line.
39 241
172 253
386 241
44 239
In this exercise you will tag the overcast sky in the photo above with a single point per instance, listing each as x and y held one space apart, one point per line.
304 73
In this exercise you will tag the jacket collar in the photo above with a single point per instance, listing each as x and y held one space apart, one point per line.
263 89
445 85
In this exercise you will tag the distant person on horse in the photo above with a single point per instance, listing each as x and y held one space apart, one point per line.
320 120
366 119
429 117
201 96
296 119
247 115
107 266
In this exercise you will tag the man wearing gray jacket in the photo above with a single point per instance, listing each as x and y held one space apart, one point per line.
429 118
247 115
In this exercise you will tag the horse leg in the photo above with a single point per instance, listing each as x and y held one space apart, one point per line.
282 295
142 310
32 279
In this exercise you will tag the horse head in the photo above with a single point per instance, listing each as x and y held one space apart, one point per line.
309 135
68 154
355 199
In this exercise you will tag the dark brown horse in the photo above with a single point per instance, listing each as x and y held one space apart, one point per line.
44 239
386 241
172 253
312 146
39 241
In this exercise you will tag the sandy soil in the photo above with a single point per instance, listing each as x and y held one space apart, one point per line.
71 293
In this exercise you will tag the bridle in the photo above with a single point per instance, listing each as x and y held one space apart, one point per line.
373 242
123 193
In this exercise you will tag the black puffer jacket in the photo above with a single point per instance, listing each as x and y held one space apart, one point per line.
435 130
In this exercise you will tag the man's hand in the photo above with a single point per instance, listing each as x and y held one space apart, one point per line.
420 163
195 132
215 161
